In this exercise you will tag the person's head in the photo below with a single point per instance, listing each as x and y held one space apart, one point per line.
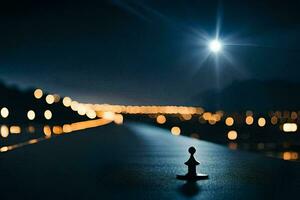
192 150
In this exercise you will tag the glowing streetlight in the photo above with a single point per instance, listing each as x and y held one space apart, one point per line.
215 46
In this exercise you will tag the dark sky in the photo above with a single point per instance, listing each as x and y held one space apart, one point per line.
145 52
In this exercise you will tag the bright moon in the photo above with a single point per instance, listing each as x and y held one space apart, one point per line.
215 46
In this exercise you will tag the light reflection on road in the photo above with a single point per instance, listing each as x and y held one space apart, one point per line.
57 130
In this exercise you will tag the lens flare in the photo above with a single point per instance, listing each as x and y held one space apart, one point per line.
215 46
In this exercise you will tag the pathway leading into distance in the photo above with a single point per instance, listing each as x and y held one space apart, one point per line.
137 161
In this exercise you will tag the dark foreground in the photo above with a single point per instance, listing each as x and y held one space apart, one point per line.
139 162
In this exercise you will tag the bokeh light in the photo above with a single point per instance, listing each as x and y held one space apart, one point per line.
4 112
274 120
38 93
249 120
186 117
57 130
261 122
48 114
15 129
118 119
74 105
161 119
175 130
229 121
232 135
290 127
108 115
47 131
50 99
290 155
67 101
4 131
31 115
81 110
91 114
67 128
56 98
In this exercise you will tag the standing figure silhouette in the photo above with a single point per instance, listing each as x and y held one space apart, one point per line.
192 163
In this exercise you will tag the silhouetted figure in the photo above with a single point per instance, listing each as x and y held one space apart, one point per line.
192 174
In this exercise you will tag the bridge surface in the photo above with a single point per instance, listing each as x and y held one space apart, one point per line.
137 161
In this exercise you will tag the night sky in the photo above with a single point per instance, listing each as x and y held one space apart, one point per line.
145 52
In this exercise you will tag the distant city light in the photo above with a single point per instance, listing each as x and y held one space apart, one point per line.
38 93
118 119
160 119
287 120
261 122
186 117
33 141
57 130
145 109
232 135
212 122
215 46
50 99
290 127
48 114
175 130
294 115
4 149
67 128
290 155
91 114
67 101
274 120
207 115
249 120
56 98
31 115
229 121
4 131
15 129
4 112
47 131
74 105
81 109
108 115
